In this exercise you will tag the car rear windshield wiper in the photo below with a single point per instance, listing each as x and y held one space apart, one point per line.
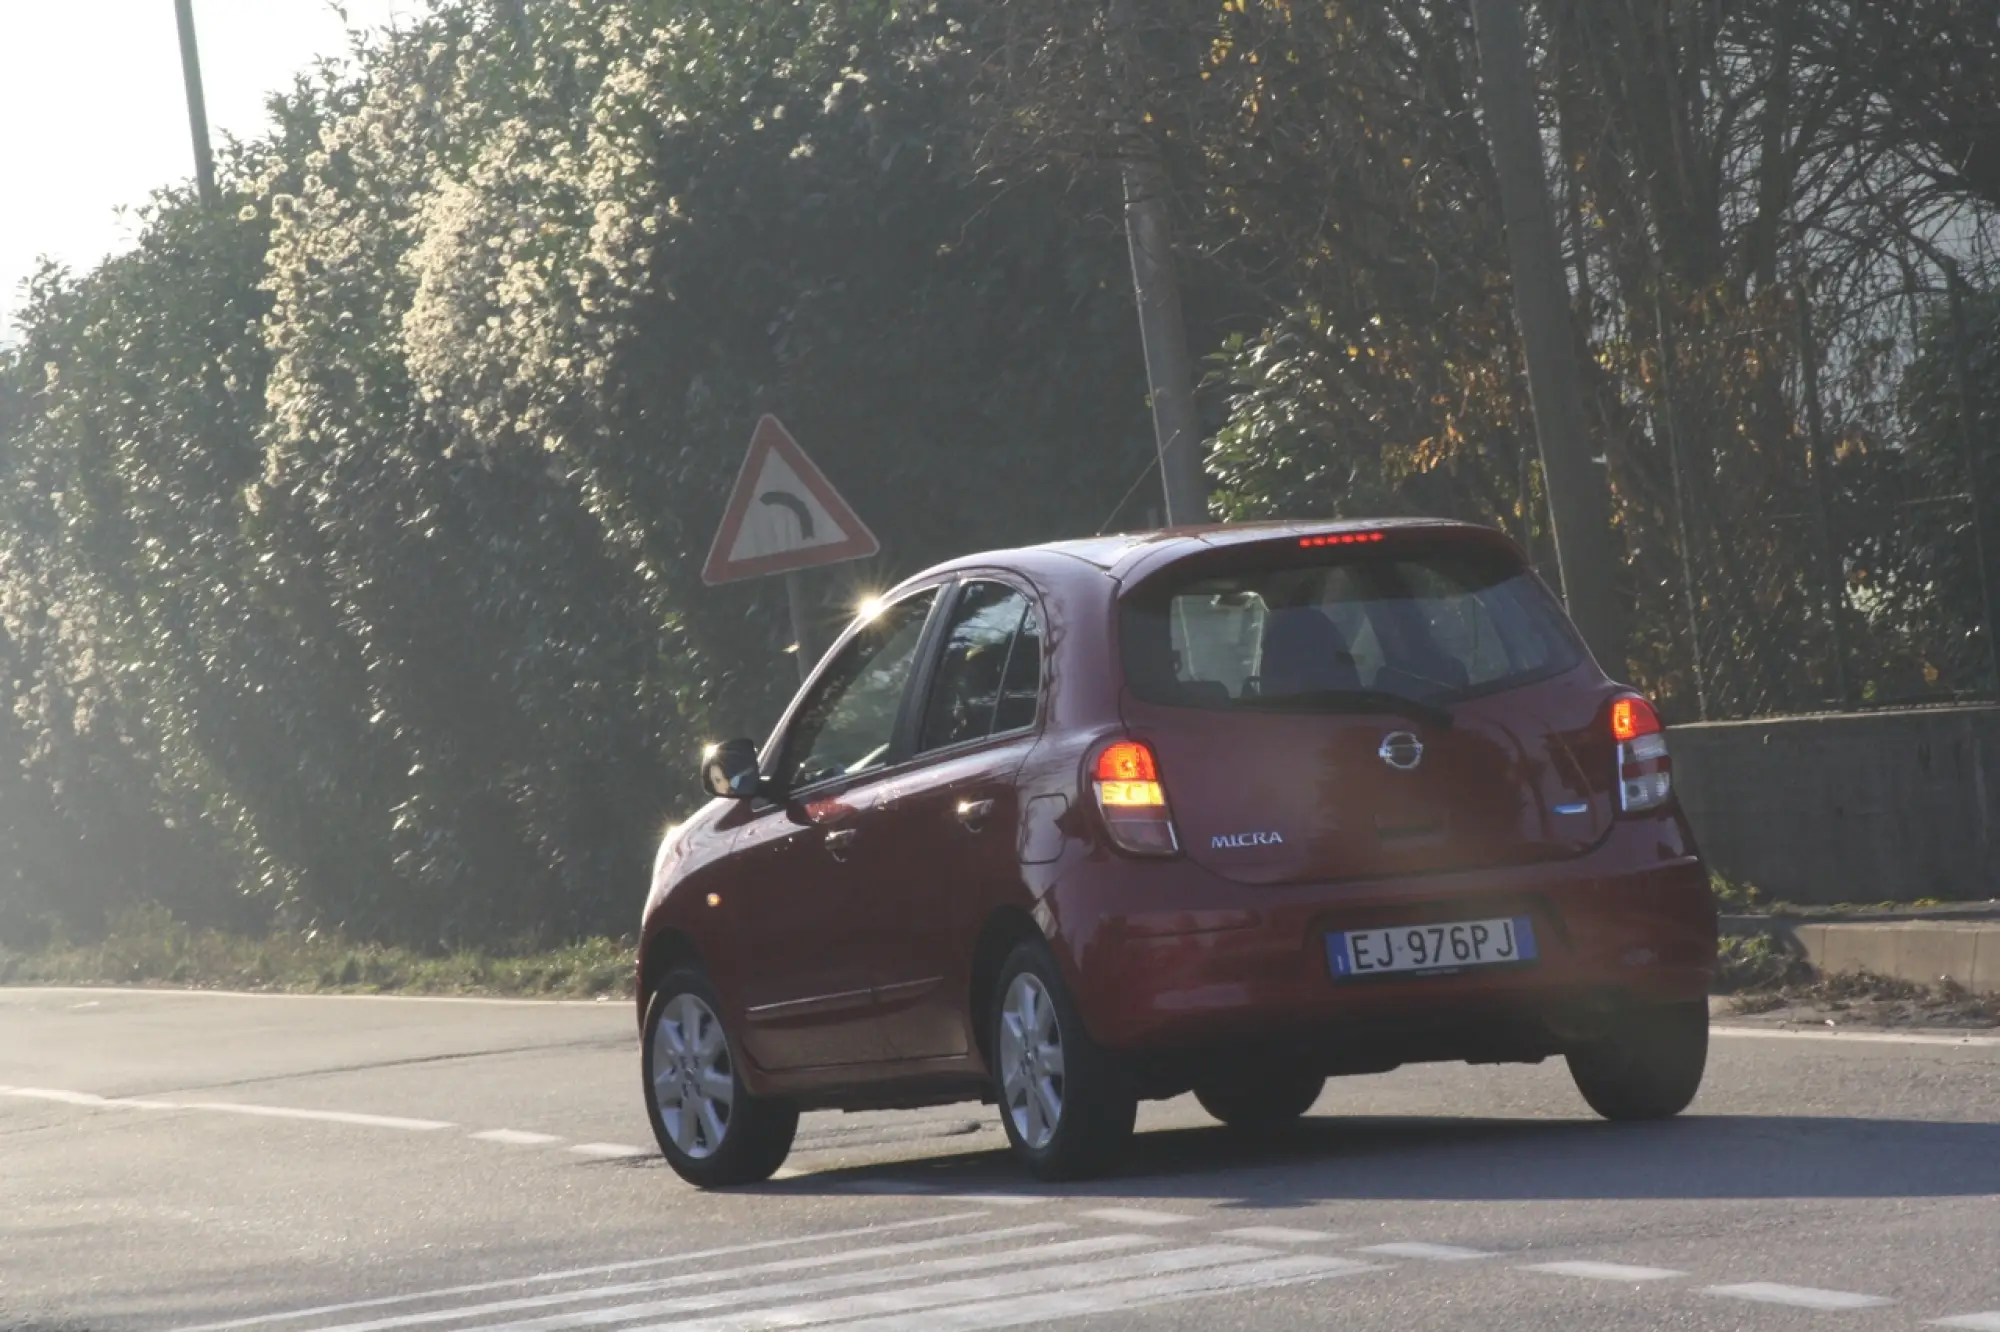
1353 701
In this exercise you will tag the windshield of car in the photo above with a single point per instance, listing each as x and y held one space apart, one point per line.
1325 629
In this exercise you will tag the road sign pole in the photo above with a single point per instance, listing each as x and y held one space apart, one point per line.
795 593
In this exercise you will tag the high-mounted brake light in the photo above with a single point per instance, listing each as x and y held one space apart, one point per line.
1132 800
1339 539
1645 769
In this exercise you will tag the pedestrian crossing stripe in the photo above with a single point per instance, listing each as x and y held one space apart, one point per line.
961 1277
967 1280
751 1272
294 1316
838 1283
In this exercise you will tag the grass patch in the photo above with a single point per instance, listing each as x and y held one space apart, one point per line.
1759 963
1733 898
147 946
1861 999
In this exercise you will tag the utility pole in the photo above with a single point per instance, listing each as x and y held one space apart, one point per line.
204 158
1579 488
1975 473
1156 290
1832 578
1669 423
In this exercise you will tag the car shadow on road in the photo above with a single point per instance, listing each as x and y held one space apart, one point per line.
1329 1159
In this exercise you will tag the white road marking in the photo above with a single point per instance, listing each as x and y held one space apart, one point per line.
1862 1037
577 1273
1605 1271
752 1272
763 1293
1800 1297
610 1151
64 1097
1442 1253
1281 1235
159 992
320 1116
1136 1216
90 1099
1115 1297
94 1101
996 1199
788 1172
517 1137
1007 1290
1979 1322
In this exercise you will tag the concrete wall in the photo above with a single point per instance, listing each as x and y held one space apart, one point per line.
1884 807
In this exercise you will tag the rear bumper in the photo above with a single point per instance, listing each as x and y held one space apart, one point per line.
1167 957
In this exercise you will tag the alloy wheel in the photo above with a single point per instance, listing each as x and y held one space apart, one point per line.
694 1082
1031 1061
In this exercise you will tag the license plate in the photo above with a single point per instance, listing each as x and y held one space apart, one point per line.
1464 943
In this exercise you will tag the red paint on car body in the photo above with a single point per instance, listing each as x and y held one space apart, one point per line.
1304 800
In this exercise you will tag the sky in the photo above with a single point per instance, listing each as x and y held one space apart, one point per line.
93 115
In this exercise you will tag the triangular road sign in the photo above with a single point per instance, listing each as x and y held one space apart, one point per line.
783 515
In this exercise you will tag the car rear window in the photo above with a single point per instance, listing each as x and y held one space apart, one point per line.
1292 625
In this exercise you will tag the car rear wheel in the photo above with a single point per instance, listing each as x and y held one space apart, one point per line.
1261 1098
1649 1066
713 1132
1066 1105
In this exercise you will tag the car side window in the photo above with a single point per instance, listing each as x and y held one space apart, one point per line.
989 674
848 725
1021 693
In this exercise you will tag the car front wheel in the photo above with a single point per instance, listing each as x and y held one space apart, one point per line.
713 1132
1649 1066
1066 1105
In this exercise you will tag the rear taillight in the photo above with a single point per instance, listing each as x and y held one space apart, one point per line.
1645 769
1132 801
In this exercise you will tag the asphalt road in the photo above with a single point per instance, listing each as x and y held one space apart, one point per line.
179 1161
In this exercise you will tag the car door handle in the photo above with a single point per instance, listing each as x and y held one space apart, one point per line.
974 813
839 842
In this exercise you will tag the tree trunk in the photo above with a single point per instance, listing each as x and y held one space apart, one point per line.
1578 488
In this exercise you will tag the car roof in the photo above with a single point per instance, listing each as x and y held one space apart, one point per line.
1128 556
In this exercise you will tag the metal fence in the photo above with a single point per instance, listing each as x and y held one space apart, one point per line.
1828 459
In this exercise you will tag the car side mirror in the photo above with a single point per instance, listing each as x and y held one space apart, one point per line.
730 770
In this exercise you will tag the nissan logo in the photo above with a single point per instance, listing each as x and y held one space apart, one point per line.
1401 750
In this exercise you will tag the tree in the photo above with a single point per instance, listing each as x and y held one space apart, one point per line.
360 520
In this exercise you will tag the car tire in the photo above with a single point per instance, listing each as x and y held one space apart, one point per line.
1262 1099
1066 1105
1649 1067
713 1132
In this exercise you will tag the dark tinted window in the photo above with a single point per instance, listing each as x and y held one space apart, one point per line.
1021 696
1422 624
849 723
990 672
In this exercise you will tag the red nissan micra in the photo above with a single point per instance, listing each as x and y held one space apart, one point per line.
1224 810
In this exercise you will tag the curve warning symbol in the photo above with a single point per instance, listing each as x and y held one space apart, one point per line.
783 515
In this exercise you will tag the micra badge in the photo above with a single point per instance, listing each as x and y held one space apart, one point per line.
1238 841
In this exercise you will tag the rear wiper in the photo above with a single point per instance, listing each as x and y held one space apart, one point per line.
1352 701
